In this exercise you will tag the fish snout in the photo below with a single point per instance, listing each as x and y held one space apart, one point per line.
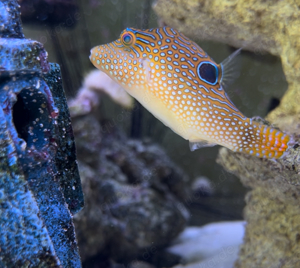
94 57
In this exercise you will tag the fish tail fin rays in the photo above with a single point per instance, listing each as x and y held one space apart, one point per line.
231 67
263 141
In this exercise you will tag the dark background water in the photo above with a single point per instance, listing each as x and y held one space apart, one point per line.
261 83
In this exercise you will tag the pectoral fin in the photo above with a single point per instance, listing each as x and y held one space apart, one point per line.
231 68
147 70
200 144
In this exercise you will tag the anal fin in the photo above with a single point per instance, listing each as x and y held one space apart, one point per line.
194 145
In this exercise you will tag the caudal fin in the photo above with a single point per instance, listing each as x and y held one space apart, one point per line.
261 140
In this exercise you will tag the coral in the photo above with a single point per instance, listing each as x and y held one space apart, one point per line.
88 97
272 232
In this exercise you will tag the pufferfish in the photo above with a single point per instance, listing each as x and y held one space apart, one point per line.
183 87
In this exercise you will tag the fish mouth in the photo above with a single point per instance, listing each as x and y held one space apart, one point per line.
92 51
93 57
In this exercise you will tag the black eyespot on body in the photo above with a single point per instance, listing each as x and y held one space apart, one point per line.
208 72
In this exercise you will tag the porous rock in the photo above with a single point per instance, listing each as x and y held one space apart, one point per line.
132 194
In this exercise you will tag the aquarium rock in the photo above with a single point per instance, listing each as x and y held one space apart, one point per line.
272 211
40 188
132 194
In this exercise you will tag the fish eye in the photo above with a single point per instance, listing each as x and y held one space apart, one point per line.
208 72
127 38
